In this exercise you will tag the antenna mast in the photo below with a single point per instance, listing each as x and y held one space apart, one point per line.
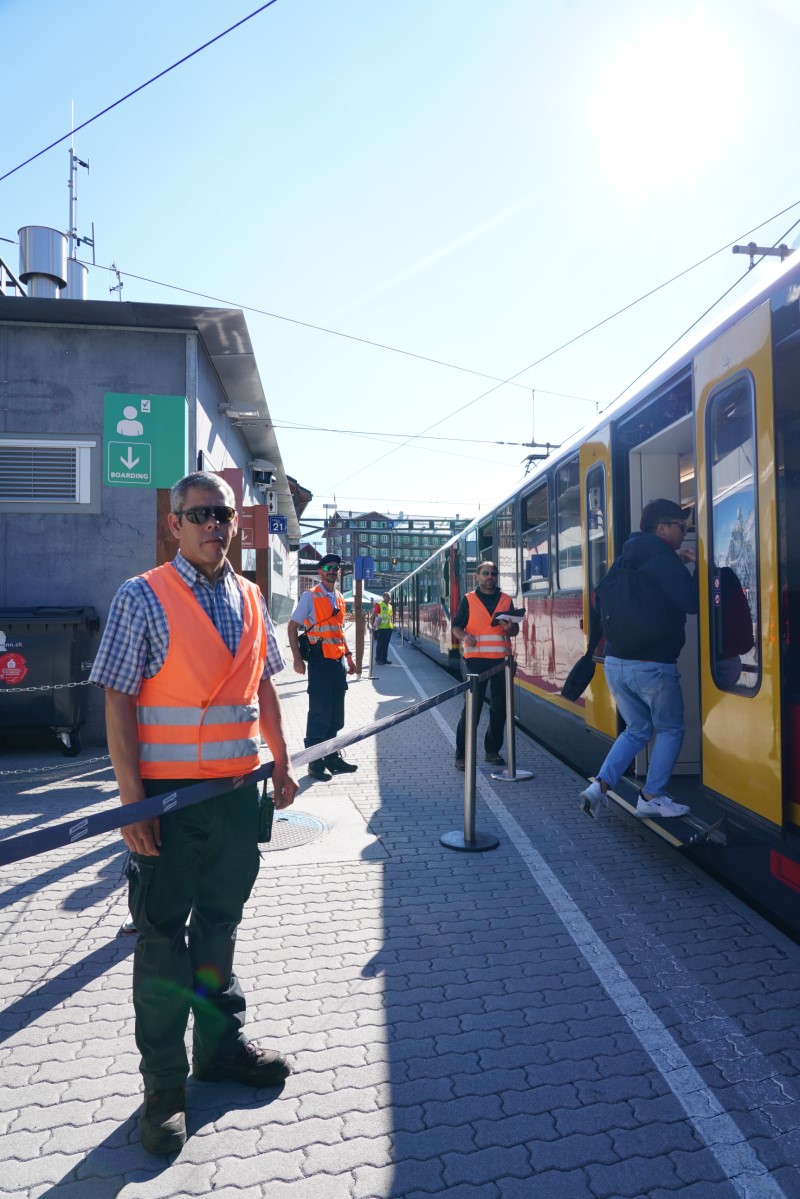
73 241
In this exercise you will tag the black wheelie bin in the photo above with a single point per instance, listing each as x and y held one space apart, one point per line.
42 651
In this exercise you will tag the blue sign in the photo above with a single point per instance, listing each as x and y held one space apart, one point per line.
278 524
363 567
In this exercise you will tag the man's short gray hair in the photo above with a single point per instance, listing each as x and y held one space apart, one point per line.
205 482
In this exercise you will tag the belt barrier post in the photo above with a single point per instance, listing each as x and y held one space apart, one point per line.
511 774
470 841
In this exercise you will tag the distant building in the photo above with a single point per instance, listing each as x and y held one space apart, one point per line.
397 544
307 566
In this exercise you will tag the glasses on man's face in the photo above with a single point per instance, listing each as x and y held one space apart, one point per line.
682 523
203 513
487 574
329 569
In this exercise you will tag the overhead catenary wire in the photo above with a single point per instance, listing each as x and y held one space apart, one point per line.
136 90
511 380
578 337
408 439
281 423
366 341
440 362
701 317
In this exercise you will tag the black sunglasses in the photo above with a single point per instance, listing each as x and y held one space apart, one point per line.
487 572
203 513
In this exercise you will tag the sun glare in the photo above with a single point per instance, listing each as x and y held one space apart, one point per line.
666 107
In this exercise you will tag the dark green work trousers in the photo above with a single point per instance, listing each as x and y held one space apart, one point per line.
204 872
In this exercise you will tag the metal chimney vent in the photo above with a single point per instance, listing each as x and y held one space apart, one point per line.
77 281
42 261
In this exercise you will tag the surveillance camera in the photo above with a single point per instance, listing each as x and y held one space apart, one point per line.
263 472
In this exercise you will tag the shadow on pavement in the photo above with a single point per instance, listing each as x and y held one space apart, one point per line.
73 978
38 883
120 1161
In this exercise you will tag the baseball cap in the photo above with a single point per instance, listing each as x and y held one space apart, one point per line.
329 560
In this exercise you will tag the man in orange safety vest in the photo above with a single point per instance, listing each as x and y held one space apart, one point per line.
485 643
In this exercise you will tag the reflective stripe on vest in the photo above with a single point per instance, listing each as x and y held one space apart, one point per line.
386 616
328 624
210 751
198 717
492 641
215 714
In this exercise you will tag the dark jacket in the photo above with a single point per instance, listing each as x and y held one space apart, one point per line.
656 558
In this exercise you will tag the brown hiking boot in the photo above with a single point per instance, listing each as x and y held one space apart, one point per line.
162 1125
253 1066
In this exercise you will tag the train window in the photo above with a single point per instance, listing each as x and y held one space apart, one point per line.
485 541
506 551
569 554
596 525
535 539
734 615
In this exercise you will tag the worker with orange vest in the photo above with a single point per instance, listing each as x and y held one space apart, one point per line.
186 661
320 612
485 642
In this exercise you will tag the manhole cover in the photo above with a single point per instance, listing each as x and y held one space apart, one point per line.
293 828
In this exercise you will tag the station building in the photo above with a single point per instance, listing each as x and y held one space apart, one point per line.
104 405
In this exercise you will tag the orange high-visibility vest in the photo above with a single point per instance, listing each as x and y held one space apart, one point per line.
327 624
492 641
198 717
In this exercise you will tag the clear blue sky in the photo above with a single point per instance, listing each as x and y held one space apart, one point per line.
472 182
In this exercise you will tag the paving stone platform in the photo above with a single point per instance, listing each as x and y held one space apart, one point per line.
577 1014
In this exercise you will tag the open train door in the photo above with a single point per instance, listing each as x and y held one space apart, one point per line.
737 552
599 712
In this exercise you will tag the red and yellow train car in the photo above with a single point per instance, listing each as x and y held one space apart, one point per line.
718 431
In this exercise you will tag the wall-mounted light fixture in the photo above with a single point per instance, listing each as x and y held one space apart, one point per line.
263 473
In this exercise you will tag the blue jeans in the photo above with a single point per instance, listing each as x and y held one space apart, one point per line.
649 699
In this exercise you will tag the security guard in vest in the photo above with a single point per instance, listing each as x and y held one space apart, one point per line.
484 645
321 612
186 660
382 623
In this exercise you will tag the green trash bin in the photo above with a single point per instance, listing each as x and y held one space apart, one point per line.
42 651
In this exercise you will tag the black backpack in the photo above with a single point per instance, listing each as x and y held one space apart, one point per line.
634 611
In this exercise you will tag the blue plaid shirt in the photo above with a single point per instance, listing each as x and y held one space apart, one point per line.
136 637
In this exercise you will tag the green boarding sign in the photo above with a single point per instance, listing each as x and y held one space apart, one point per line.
145 439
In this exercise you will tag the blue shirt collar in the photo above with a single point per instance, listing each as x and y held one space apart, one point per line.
192 576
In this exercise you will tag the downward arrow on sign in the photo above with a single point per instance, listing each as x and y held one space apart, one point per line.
130 461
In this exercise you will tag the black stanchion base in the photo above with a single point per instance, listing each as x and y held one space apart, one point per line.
456 840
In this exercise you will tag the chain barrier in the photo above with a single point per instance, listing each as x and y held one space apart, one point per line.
60 766
45 687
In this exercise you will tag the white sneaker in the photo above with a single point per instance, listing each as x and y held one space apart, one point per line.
593 802
661 805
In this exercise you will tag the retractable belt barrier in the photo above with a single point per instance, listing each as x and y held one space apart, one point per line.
39 841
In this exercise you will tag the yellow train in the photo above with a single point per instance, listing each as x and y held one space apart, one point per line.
719 432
